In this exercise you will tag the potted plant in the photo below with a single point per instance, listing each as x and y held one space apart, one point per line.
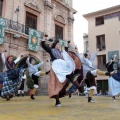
30 84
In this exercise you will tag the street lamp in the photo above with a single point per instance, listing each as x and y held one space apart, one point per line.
17 11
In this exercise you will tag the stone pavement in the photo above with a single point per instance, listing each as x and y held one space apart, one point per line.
75 108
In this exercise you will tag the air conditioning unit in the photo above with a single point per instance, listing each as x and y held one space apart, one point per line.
16 36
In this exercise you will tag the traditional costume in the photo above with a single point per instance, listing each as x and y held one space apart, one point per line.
62 66
21 89
35 74
90 72
114 82
78 70
12 77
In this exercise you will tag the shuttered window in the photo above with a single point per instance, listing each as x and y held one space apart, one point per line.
58 32
31 22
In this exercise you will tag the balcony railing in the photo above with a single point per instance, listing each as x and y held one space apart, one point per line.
10 24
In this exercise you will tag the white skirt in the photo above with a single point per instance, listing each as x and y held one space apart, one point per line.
114 86
63 67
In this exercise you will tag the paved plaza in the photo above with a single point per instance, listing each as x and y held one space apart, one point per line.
75 108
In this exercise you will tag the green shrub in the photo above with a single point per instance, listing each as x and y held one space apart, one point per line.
30 82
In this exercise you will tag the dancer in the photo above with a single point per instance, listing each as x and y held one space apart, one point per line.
34 73
114 82
62 67
78 70
113 89
21 89
90 72
11 76
110 64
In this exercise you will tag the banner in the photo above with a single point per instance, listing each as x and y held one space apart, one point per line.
2 30
34 40
63 43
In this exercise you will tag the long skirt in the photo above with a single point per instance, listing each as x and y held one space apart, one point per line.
114 86
55 87
64 67
11 86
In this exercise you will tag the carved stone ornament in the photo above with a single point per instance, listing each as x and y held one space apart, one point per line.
60 19
33 5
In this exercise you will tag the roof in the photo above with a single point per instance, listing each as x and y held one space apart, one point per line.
101 11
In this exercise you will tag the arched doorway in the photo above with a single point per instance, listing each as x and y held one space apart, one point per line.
23 63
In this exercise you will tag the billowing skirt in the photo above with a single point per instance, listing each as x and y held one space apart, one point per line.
64 67
114 86
55 87
10 86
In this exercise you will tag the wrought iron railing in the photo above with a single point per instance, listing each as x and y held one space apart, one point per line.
10 24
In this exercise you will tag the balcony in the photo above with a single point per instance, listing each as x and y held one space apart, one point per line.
20 28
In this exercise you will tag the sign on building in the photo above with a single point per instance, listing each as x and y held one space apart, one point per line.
63 43
2 30
34 40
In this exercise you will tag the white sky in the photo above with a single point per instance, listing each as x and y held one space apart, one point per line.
84 7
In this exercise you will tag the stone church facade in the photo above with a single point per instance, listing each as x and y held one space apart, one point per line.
54 17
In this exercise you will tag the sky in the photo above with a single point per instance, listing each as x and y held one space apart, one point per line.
80 23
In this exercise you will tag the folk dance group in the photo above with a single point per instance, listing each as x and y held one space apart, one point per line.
68 66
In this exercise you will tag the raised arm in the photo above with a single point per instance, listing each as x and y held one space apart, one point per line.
79 55
3 60
17 60
40 64
45 47
27 61
93 57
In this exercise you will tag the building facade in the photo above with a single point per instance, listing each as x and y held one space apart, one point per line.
54 17
103 33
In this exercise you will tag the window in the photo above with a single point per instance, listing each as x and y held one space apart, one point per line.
1 6
115 14
100 20
58 32
108 16
102 62
101 42
31 21
112 15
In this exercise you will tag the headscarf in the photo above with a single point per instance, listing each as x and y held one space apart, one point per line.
10 65
54 44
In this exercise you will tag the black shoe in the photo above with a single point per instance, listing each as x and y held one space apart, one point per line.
58 103
113 97
47 72
70 96
23 95
18 95
10 96
90 100
32 97
7 98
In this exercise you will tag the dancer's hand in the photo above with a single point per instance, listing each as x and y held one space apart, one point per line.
45 37
115 55
21 55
